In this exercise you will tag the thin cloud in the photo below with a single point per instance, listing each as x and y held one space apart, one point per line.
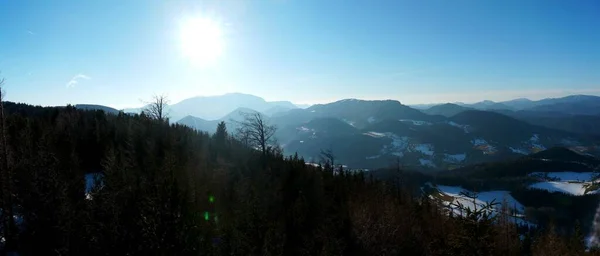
30 32
75 80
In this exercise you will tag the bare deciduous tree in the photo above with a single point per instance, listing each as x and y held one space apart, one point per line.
157 107
255 131
327 156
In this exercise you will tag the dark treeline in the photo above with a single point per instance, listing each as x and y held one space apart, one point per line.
166 189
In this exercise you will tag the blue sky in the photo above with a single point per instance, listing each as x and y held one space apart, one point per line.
118 53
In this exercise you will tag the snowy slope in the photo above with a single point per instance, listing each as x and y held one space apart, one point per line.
572 188
573 183
483 197
481 200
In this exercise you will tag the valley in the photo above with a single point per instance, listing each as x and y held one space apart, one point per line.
293 127
376 134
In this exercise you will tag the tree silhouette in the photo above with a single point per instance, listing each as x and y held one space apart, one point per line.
255 130
156 108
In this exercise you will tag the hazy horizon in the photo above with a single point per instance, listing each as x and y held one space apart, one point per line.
117 53
141 103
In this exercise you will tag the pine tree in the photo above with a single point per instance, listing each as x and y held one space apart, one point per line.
577 243
221 133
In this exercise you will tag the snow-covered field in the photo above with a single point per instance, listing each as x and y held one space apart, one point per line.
396 147
572 188
573 183
455 158
482 199
426 149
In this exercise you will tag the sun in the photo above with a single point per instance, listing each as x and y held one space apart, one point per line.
201 40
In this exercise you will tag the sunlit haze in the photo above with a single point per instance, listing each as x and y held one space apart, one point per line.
117 53
201 40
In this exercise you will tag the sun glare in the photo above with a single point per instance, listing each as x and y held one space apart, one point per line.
201 40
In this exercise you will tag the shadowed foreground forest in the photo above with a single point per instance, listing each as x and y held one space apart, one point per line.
162 189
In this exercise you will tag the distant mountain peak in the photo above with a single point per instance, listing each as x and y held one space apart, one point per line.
353 100
520 100
348 100
446 109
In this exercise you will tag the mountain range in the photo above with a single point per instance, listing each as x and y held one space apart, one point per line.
572 105
375 134
216 107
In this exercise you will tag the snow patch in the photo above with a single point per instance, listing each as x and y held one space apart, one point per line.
535 143
398 145
464 127
371 119
535 138
452 123
303 129
313 164
478 142
455 158
374 134
350 122
415 122
519 151
483 145
426 149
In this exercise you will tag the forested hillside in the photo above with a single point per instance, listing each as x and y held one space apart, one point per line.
162 189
